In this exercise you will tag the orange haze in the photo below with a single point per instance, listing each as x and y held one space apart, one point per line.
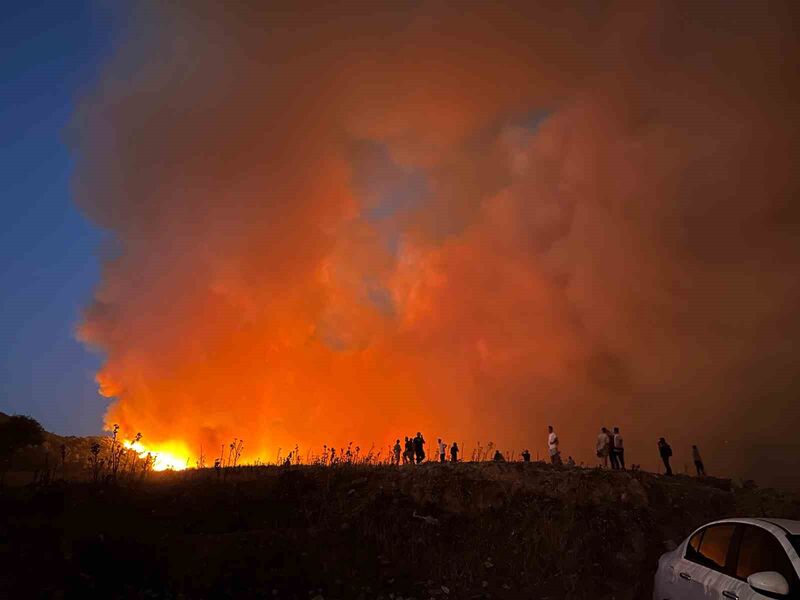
357 220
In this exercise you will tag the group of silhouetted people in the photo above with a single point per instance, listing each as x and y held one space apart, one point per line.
665 451
610 449
414 451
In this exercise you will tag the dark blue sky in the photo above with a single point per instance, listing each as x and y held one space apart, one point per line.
48 252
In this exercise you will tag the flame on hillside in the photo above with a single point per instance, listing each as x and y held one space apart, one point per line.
174 459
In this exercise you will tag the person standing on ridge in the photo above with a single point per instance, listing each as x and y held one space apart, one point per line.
419 447
552 446
619 449
442 450
698 462
603 443
408 455
665 451
526 456
396 453
454 452
612 453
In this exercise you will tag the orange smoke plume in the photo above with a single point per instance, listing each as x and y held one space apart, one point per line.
361 221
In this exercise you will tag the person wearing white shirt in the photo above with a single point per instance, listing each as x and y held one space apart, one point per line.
603 443
552 446
442 450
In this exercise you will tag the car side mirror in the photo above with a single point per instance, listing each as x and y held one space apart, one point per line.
770 582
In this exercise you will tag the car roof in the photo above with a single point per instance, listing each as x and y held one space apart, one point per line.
789 526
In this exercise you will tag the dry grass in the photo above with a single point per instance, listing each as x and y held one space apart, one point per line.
350 523
354 527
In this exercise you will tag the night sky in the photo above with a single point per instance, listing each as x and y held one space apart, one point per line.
48 252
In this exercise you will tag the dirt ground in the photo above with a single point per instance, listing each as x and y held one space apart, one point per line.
472 530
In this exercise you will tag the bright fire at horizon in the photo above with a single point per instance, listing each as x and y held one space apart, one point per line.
162 460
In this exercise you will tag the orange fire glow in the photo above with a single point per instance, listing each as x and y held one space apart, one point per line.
365 220
174 459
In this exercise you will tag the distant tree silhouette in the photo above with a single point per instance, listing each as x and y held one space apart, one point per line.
18 432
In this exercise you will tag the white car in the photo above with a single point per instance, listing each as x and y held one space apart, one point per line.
734 559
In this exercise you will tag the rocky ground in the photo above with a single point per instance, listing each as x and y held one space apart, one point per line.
472 530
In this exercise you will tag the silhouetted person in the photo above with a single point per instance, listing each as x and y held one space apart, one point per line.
454 452
698 462
665 451
419 447
396 452
603 442
442 450
498 457
612 451
552 446
619 449
408 455
570 461
526 456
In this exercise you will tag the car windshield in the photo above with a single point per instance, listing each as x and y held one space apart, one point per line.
795 541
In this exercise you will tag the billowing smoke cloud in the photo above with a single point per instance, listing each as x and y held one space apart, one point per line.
355 221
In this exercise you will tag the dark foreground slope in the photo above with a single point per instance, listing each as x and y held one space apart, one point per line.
467 531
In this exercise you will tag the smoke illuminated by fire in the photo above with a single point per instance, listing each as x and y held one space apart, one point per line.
360 220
